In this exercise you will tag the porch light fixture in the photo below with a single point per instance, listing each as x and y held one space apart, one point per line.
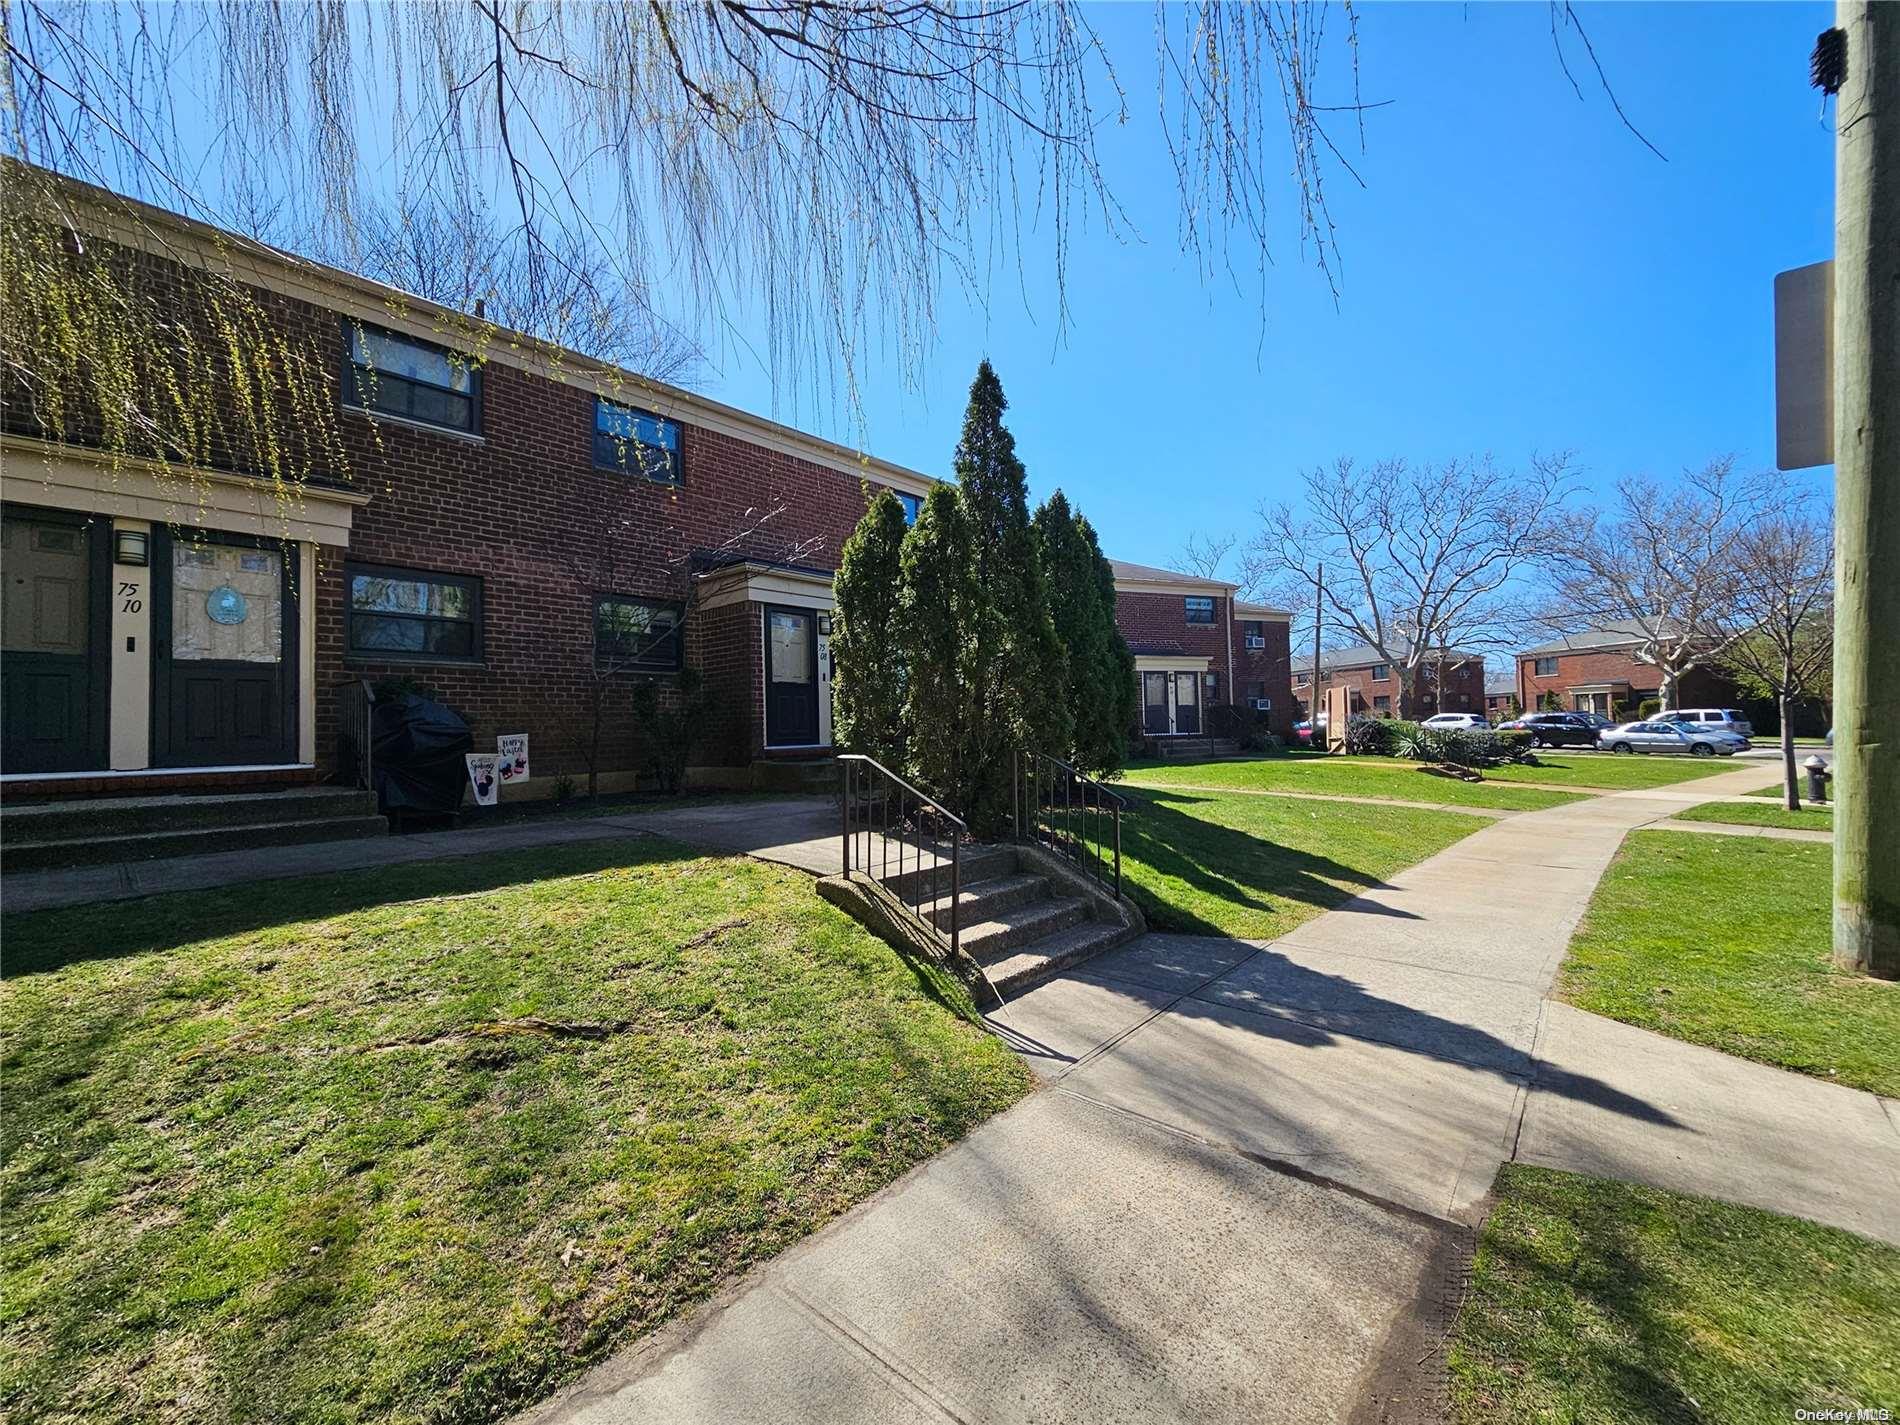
131 546
824 625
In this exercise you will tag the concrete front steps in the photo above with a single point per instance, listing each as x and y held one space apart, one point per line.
1022 913
40 835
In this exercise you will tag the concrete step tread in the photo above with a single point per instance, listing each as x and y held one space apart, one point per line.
1014 929
976 864
95 818
998 893
1055 953
188 841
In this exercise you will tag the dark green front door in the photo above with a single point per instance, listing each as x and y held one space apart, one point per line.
224 685
56 611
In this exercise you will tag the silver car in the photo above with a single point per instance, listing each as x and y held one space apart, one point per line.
1669 737
1726 719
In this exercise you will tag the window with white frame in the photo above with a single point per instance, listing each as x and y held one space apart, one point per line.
1199 609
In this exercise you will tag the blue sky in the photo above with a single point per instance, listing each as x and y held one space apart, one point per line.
1519 273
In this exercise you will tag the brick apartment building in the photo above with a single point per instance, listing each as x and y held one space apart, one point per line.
1499 698
1198 648
1375 682
1598 671
516 535
504 529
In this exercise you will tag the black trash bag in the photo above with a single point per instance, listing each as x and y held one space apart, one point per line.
418 748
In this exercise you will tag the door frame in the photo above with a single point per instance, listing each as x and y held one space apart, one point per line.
765 674
98 528
290 628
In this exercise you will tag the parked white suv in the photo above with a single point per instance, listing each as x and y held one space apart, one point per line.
1710 719
1445 721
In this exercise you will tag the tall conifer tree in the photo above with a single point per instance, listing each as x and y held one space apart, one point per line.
942 620
1101 683
867 690
1018 663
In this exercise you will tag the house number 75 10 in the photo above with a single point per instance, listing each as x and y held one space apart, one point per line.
130 602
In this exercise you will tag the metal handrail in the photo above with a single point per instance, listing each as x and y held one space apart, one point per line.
1085 805
356 700
866 793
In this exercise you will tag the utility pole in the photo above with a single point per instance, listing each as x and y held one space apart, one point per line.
1867 492
1319 602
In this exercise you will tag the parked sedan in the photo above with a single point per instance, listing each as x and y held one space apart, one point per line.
1446 722
1554 729
1670 737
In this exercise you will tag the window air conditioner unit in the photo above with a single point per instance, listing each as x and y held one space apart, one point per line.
1260 704
1256 640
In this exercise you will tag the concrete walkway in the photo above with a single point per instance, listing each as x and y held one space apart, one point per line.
1494 813
1254 1168
794 831
1739 828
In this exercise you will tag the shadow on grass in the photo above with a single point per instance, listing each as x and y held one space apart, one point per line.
1237 868
41 941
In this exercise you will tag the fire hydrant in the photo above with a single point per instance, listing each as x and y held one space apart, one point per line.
1818 777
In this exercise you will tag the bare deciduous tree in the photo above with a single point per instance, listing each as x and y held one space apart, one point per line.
1417 559
831 162
459 256
1663 562
1203 554
1781 620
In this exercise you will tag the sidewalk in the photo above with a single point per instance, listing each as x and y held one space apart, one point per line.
796 831
1254 1167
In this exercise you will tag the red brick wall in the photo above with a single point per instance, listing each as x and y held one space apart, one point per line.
1270 667
1464 689
1700 687
1162 618
524 509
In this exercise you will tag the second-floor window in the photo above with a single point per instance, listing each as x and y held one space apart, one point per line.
1255 633
1300 680
636 442
1546 667
1200 609
401 376
913 505
1381 672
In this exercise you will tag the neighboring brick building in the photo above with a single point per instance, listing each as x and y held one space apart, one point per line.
1196 649
1500 696
1375 682
509 526
1598 671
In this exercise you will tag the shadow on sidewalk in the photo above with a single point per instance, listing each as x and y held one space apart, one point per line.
1274 997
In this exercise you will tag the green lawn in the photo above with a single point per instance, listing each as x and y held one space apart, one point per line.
1606 1303
1724 941
1215 864
1609 772
1750 814
1343 776
416 1144
1775 792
